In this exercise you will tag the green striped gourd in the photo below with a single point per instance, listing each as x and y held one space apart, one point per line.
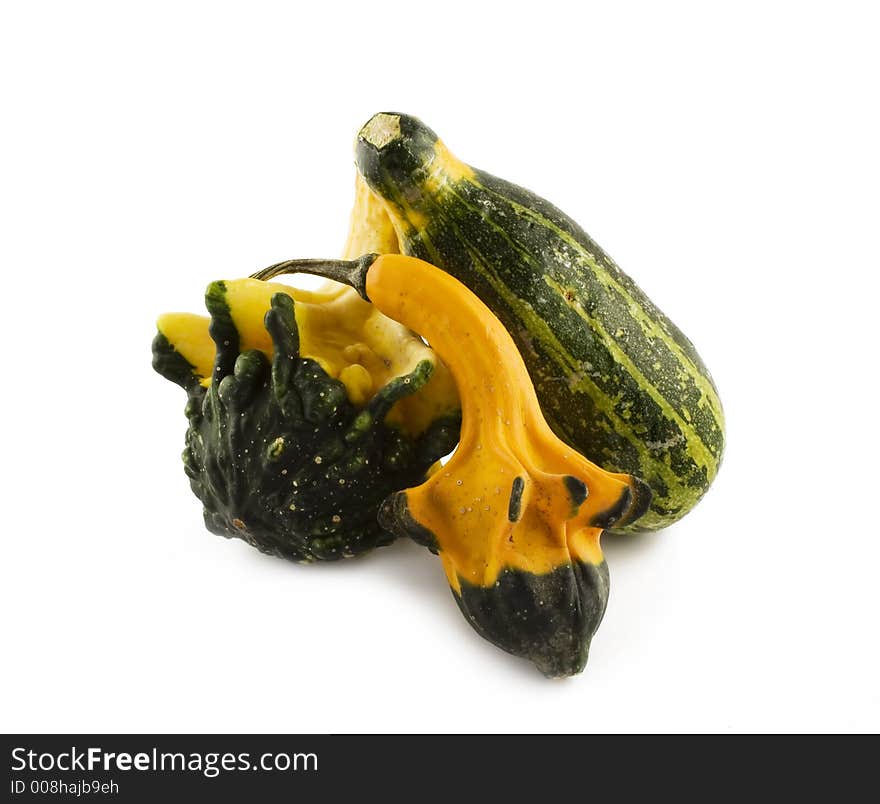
615 377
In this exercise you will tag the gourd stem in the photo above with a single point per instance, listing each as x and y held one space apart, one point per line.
349 272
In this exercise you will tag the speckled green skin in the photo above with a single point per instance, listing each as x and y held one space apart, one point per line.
615 377
549 619
277 453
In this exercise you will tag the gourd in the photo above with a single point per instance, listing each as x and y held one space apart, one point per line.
515 514
305 409
615 377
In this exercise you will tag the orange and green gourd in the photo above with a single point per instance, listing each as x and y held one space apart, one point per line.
515 515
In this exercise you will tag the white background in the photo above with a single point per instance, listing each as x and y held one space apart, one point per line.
728 160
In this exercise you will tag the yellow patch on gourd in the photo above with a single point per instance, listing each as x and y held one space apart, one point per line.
351 341
370 228
445 169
